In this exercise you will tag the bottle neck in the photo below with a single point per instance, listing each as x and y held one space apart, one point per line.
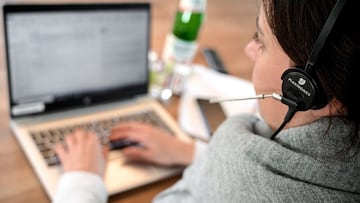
193 5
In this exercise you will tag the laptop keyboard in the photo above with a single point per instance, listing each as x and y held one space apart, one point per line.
45 139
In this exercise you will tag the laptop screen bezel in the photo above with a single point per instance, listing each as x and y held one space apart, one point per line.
88 98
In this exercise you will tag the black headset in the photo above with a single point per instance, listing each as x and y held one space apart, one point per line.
298 84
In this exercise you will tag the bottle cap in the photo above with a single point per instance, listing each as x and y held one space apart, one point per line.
194 5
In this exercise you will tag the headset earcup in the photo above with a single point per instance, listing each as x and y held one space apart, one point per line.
300 87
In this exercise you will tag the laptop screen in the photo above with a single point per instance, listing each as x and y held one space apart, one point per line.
61 56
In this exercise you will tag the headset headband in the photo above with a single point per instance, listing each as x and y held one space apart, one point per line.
324 34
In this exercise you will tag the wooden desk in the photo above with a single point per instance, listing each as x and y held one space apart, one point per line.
228 27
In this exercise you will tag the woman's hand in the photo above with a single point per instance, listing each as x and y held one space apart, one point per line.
82 152
155 145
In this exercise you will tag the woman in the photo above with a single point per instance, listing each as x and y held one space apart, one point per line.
315 158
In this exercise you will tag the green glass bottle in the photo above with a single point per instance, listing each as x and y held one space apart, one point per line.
181 44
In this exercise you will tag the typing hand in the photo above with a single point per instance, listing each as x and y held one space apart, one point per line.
154 144
82 152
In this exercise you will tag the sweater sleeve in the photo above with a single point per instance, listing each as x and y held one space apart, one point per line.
80 187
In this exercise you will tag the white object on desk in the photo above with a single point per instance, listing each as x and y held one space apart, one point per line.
207 83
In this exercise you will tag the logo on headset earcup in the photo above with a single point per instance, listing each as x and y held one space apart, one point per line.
300 87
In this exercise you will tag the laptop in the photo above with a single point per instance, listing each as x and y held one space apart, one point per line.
81 65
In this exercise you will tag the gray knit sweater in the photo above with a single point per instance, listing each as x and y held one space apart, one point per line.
242 165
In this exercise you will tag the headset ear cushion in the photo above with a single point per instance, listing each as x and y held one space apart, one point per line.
300 87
